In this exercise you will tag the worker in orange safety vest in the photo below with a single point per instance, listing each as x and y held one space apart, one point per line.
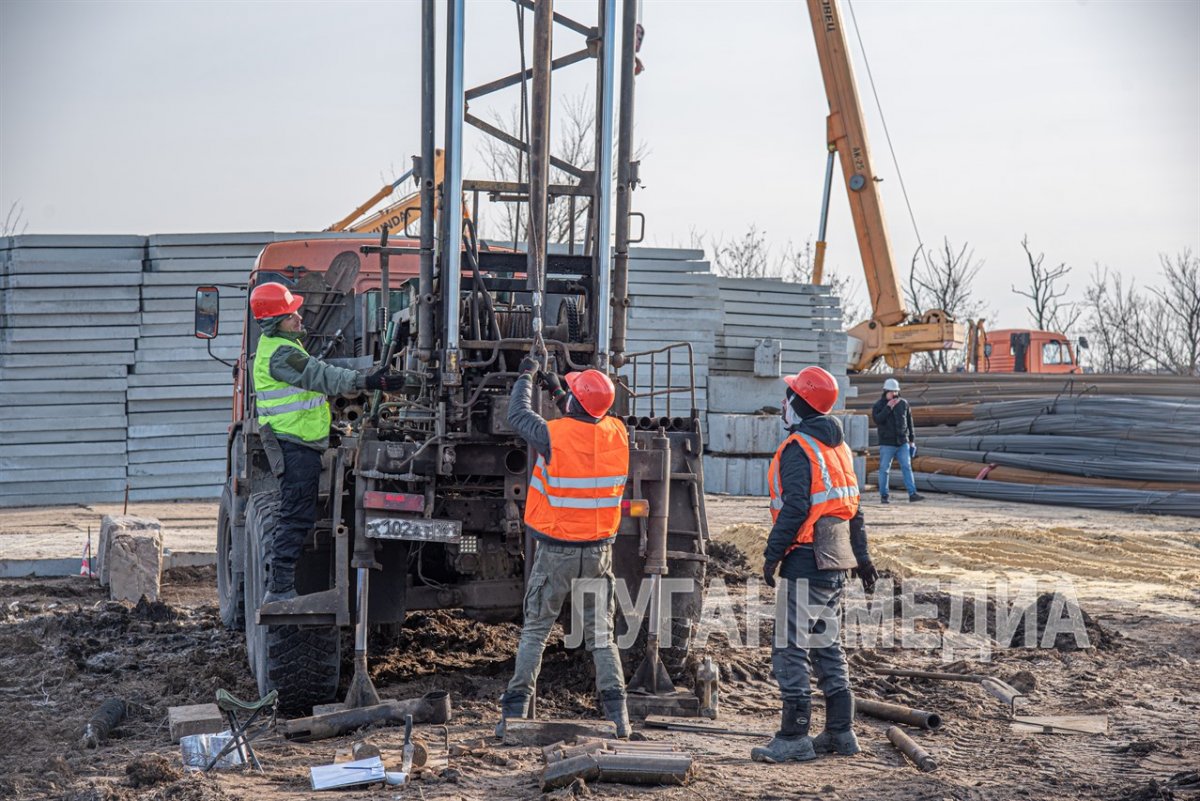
818 535
573 510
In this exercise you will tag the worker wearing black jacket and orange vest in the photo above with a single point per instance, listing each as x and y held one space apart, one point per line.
818 535
573 510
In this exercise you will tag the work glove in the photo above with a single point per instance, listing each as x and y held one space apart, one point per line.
912 449
769 569
383 380
551 383
868 575
530 366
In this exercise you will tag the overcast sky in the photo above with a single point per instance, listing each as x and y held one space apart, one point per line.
1076 122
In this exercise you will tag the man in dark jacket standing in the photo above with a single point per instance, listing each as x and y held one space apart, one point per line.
814 500
573 510
896 439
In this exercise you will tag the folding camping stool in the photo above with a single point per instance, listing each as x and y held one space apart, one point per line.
232 706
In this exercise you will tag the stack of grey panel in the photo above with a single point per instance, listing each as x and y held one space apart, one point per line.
180 398
770 328
673 299
68 320
740 447
805 318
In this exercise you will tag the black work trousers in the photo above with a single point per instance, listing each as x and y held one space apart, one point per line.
298 489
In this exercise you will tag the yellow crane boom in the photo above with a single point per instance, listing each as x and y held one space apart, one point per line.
890 334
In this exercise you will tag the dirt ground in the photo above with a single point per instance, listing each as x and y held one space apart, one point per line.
64 649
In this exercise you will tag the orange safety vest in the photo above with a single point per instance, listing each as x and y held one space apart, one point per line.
576 496
834 487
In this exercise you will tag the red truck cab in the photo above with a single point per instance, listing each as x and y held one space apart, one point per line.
1023 350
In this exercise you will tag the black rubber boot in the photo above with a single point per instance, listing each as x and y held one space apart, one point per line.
838 736
791 743
613 702
283 583
511 706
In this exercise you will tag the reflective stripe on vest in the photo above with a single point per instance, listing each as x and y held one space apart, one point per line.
833 490
576 496
291 410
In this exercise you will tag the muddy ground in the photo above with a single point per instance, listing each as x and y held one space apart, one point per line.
64 649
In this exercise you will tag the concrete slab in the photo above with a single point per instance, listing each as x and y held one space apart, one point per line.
194 719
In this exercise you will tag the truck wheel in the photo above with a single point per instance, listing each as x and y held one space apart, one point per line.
302 662
230 583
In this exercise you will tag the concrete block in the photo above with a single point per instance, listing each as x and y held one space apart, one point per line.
768 358
133 563
734 475
744 434
856 428
173 559
110 525
194 719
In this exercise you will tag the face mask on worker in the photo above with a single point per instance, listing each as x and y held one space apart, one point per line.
789 415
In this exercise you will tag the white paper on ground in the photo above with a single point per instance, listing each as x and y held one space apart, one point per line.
347 774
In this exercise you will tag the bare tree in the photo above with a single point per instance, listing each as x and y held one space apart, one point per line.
796 264
1046 290
14 222
1115 321
575 144
747 256
1179 303
944 280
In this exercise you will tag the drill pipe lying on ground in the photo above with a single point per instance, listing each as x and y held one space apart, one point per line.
908 746
896 713
432 707
614 761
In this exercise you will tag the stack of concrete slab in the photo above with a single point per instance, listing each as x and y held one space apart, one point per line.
673 299
69 312
180 397
740 447
769 328
805 318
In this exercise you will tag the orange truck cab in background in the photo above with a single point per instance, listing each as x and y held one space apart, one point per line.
1023 350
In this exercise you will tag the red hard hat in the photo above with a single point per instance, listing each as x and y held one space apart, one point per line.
273 300
594 391
816 386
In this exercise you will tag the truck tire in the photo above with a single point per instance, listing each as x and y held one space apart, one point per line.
230 583
302 662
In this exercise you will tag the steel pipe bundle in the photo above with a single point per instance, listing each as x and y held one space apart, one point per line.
1016 475
1186 504
1095 467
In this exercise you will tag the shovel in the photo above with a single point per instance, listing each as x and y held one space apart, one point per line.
362 691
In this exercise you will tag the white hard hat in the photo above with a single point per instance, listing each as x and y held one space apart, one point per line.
891 385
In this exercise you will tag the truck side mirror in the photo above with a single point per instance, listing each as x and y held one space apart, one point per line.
208 312
1083 343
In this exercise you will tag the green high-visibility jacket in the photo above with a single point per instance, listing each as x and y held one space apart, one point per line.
288 409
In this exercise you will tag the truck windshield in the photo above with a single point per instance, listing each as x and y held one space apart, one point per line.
1053 353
